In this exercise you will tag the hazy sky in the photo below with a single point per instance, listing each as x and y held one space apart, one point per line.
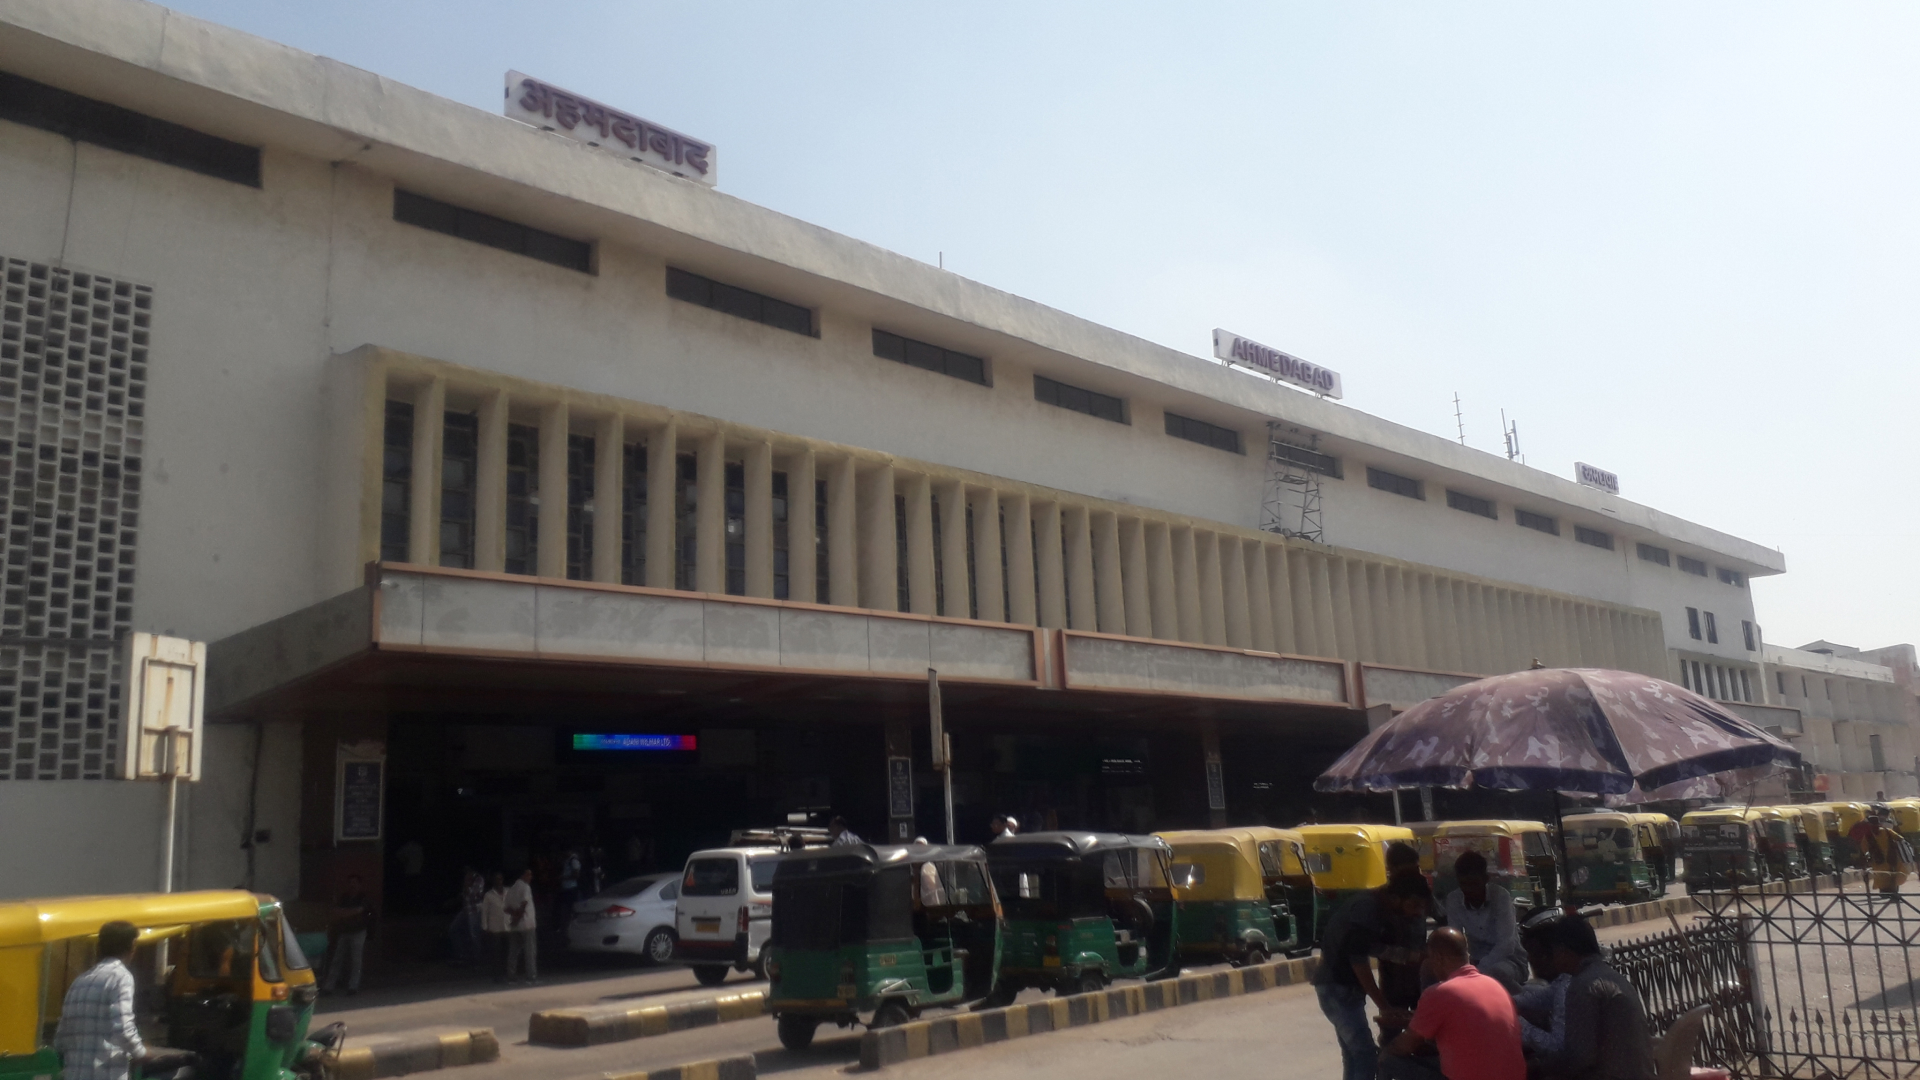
1676 241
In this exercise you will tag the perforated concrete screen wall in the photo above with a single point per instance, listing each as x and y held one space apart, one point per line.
73 368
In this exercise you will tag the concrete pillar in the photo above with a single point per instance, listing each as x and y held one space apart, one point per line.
1359 610
1391 613
1213 608
989 572
1332 607
1109 580
1259 596
423 505
550 559
1048 568
843 534
1307 627
663 449
709 515
1022 586
1214 778
1280 582
1518 650
490 486
1162 588
1443 637
1481 610
609 472
803 548
954 580
1233 585
1083 601
1186 571
1135 577
922 595
879 557
756 481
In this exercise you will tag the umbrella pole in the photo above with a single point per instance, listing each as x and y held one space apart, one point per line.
1560 837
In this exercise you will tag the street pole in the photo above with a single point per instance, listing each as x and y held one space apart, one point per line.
942 746
166 838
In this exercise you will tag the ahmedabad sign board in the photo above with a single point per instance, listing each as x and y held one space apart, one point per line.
1596 478
1285 367
550 108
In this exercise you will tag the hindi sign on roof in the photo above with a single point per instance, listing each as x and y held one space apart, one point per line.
550 108
1596 478
1285 367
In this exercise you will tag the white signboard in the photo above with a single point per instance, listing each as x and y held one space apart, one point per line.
1596 478
166 706
550 108
1250 354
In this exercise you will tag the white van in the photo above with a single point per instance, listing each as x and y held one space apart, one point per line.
725 911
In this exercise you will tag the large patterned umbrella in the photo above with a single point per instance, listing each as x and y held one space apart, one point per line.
1576 730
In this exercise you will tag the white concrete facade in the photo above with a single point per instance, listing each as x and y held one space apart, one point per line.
285 316
1856 719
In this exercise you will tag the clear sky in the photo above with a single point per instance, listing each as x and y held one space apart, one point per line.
1675 241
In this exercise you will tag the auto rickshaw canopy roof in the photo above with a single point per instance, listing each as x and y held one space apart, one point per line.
1716 815
1357 854
1070 844
1812 818
1611 819
1229 865
1290 843
1490 827
33 922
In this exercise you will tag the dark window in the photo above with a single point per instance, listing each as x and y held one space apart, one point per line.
1311 460
580 468
1649 553
1472 504
396 475
1593 537
1693 566
1746 686
1780 680
1693 623
1746 633
902 599
929 357
633 517
1713 629
1527 519
738 302
459 460
1079 400
1394 482
822 556
711 877
783 517
736 528
1183 427
81 119
523 493
685 529
411 209
1732 577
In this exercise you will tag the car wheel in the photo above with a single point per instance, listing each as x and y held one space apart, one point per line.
659 946
891 1013
710 974
796 1032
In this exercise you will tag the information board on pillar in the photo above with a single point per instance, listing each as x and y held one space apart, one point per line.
1281 366
609 130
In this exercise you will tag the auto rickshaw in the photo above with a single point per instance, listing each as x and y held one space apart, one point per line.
1810 833
1723 848
1846 854
1778 844
1660 842
1284 867
1220 899
876 933
1520 858
1423 833
1345 860
1906 818
1082 909
235 993
1606 862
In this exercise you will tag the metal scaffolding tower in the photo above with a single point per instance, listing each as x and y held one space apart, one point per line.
1292 503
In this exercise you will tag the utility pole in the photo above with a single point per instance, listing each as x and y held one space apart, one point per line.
942 746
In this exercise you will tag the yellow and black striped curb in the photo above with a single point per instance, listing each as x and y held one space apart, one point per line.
616 1023
412 1054
962 1031
740 1067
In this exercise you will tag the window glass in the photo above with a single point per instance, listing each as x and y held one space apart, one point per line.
296 957
763 874
221 950
670 891
711 877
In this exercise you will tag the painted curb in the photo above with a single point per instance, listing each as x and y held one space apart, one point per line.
412 1054
618 1023
741 1067
963 1031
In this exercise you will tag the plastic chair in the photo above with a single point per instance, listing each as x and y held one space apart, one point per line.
1673 1053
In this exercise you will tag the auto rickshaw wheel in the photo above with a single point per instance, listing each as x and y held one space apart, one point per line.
710 974
1000 996
1256 954
796 1032
1089 982
891 1013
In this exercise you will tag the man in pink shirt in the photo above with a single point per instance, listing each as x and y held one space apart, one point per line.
1467 1015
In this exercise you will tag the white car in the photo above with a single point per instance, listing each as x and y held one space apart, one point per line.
633 916
725 911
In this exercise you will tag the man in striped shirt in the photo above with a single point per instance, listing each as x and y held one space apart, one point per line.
97 1039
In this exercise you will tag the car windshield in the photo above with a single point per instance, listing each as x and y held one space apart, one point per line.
290 946
631 887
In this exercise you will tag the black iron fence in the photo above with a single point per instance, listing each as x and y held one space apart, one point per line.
1680 970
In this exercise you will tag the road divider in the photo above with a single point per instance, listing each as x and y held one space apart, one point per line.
740 1067
380 1055
599 1024
962 1031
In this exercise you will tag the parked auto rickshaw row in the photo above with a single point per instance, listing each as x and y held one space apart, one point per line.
235 993
1729 847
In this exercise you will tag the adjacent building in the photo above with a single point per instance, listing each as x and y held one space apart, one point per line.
535 497
1856 717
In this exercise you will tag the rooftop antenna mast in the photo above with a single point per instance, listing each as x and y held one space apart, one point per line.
1511 432
1458 420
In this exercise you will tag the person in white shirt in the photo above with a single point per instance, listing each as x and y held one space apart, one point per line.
97 1038
1484 912
493 926
522 927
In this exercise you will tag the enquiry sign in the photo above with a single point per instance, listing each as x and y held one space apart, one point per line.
1287 368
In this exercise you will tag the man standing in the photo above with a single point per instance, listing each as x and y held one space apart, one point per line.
493 926
1889 855
1483 912
522 926
1607 1037
352 918
1345 982
1467 1015
97 1039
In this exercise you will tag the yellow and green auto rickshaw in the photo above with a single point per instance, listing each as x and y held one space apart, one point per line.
878 933
1423 834
235 992
1846 853
1724 848
1906 818
1221 909
1520 857
1660 842
1606 862
1082 909
1284 866
1778 844
1346 860
1810 832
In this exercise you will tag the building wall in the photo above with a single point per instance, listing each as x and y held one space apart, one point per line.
1844 705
